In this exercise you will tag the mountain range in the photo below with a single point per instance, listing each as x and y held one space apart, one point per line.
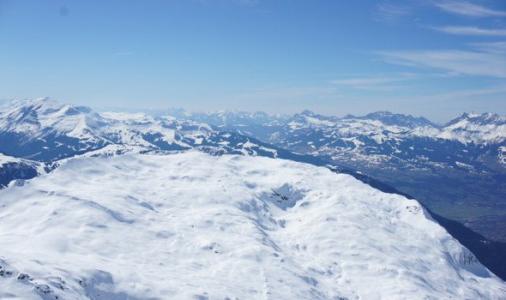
456 170
45 130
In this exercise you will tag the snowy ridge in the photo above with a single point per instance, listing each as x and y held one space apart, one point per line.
13 168
42 117
255 228
5 159
382 126
476 128
468 128
45 130
502 155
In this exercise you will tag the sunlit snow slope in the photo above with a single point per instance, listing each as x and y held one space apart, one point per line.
191 225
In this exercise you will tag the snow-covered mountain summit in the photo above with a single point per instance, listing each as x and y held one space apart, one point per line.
476 128
43 117
44 129
12 168
481 119
389 118
196 226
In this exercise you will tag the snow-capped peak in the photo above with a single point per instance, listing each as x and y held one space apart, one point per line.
389 118
42 117
476 128
480 119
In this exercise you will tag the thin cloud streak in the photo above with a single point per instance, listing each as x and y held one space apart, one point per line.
470 93
389 12
473 63
471 30
364 81
468 9
377 83
491 47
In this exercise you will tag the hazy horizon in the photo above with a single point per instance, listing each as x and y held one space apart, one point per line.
172 109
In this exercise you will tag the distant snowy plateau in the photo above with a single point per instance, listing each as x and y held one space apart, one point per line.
191 225
232 206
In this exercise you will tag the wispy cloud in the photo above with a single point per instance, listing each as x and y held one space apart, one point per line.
455 95
378 83
476 63
387 11
471 30
468 9
492 47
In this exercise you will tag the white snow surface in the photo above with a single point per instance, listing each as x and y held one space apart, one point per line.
502 155
195 226
5 159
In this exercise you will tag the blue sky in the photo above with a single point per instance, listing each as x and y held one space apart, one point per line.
433 58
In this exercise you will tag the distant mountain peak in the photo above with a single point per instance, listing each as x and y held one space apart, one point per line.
404 120
41 107
479 119
37 103
380 113
309 113
312 114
